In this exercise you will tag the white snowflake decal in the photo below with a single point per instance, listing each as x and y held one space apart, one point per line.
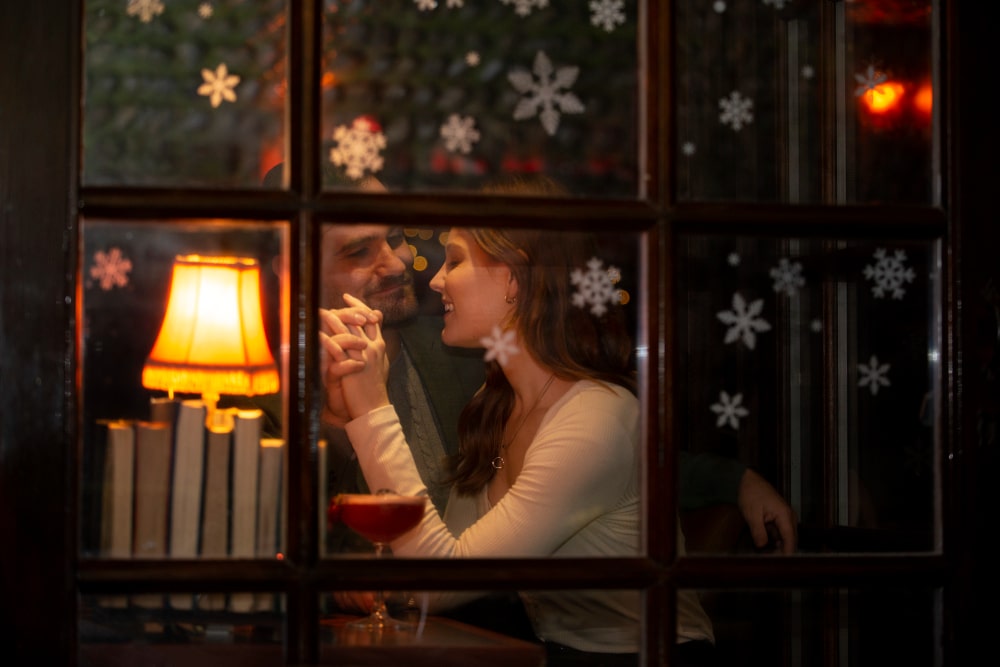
524 7
543 97
595 287
358 148
205 10
730 410
111 268
459 133
144 9
688 148
778 4
744 323
889 274
425 5
736 111
218 85
472 58
869 80
500 345
719 6
733 259
787 277
607 13
873 375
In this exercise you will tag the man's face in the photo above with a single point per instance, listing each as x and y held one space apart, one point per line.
371 262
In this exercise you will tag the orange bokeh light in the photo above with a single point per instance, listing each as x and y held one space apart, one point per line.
923 100
884 97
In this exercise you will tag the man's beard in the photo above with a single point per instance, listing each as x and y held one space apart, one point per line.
396 306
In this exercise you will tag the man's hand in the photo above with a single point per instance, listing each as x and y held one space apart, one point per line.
342 354
766 512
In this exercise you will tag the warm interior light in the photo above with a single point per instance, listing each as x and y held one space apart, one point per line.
212 339
923 100
884 97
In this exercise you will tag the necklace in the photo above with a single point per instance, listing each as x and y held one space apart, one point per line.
498 462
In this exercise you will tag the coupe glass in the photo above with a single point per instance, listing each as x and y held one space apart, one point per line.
380 517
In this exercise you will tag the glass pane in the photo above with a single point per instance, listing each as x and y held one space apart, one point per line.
817 364
838 627
440 95
183 325
182 628
182 93
805 102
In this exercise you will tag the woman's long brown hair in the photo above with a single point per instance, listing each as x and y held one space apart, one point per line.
567 339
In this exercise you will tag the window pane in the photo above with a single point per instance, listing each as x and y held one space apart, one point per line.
182 323
182 93
432 96
816 363
835 626
805 102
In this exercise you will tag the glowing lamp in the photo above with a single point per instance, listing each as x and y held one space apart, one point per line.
884 97
212 339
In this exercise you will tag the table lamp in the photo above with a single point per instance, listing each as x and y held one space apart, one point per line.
212 339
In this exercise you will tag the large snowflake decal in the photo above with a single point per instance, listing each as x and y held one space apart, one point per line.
144 9
744 321
729 409
524 7
787 277
358 148
218 85
874 375
542 97
736 111
111 268
889 274
607 13
500 345
459 133
869 80
595 287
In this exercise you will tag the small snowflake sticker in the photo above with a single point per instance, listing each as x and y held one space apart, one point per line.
744 323
144 9
787 277
358 148
111 268
607 13
688 148
733 259
524 7
500 345
869 80
459 133
218 85
730 410
547 96
889 274
874 375
736 111
472 58
595 287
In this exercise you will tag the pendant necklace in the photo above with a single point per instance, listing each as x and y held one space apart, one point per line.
498 462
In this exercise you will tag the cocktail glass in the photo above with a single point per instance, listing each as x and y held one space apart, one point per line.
380 517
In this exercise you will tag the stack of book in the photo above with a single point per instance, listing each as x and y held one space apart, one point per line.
175 487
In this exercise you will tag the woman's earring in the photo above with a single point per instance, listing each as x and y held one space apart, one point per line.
511 300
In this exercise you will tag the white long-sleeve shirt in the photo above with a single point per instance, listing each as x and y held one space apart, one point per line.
577 495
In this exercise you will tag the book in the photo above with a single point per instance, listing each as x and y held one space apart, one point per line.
151 496
269 508
116 498
186 486
214 542
246 446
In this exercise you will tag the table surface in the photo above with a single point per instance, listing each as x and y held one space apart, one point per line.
438 642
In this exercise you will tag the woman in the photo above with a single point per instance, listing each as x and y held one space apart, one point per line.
550 445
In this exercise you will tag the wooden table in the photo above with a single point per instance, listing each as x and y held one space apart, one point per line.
439 642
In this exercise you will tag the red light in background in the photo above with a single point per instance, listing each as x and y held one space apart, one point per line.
923 100
884 97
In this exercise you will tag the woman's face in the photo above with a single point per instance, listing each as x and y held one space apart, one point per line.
474 289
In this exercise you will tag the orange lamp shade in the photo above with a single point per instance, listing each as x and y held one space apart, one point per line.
212 339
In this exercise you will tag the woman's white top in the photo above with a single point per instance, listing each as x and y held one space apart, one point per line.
577 496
